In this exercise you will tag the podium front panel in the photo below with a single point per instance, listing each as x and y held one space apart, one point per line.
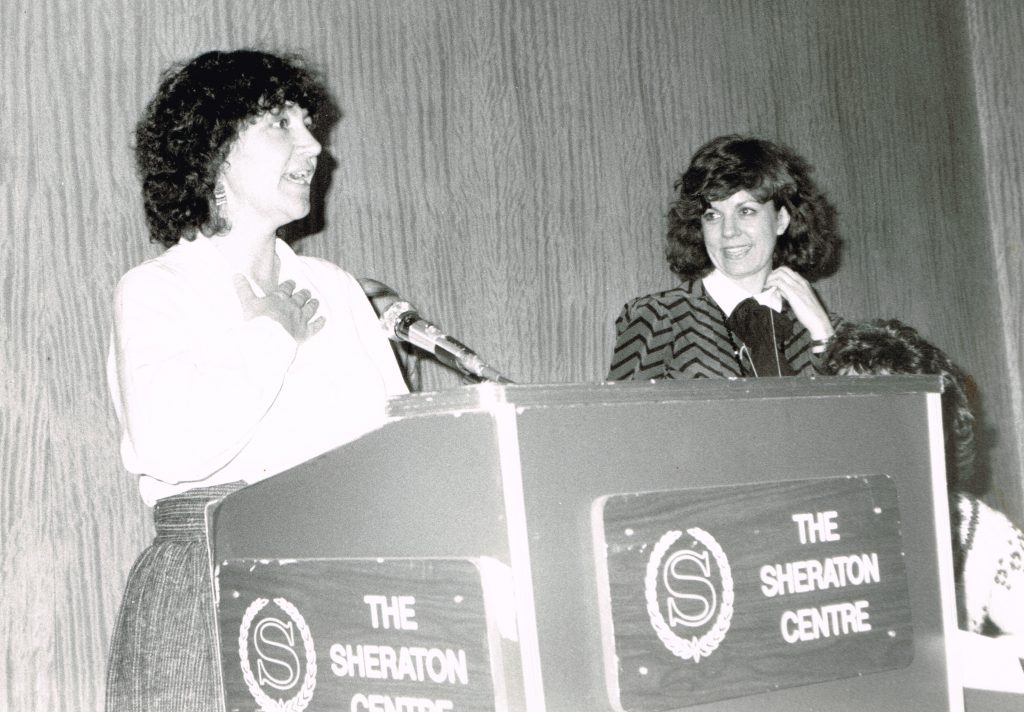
574 458
515 479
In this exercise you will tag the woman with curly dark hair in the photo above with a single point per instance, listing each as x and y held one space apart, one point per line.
748 232
232 358
988 549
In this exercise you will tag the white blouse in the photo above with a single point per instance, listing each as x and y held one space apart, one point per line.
206 397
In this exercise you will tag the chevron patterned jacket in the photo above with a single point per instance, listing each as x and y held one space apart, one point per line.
680 333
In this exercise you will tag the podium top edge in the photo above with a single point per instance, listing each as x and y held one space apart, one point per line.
486 396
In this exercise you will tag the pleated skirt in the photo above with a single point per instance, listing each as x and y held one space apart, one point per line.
163 654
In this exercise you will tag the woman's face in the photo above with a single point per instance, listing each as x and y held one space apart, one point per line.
740 234
268 169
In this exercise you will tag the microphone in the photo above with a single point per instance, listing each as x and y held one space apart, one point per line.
402 322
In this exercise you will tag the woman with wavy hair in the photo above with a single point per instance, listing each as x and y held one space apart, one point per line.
748 233
232 358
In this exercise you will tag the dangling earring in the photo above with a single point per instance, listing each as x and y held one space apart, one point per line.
220 196
217 222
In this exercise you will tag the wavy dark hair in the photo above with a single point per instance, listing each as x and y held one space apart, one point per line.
190 124
768 171
887 346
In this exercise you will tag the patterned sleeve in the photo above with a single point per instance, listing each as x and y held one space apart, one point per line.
643 342
993 577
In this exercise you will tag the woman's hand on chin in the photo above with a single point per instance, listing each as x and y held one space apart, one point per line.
802 300
294 310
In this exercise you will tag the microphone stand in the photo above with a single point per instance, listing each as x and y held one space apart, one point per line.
381 296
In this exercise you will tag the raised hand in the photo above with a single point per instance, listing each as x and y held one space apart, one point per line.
294 310
802 300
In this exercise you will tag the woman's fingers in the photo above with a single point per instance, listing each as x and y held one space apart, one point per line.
315 326
309 310
792 285
243 289
294 310
802 300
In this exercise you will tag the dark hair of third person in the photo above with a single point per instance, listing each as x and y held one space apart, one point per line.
884 347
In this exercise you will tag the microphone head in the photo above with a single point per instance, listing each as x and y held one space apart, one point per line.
395 316
374 289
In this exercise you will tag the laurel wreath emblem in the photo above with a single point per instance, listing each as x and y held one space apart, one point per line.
695 647
302 698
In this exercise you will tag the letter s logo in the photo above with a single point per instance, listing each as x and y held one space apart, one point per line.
680 580
264 642
675 573
273 642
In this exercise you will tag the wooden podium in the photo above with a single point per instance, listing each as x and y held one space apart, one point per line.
775 544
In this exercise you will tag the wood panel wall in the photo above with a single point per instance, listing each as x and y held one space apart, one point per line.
995 28
506 165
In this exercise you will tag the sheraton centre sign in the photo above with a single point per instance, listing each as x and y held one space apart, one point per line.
354 635
721 592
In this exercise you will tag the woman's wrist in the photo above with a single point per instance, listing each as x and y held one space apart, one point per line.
820 345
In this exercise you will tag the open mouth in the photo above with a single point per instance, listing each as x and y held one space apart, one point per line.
302 177
734 253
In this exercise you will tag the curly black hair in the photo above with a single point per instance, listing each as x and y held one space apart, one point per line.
190 124
888 346
768 171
